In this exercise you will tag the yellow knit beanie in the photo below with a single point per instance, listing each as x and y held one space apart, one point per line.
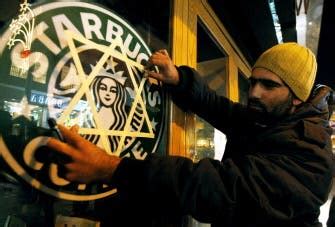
294 64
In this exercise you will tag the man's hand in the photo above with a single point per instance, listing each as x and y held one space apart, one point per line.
167 71
87 162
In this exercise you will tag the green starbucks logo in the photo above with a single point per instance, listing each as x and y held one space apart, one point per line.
88 63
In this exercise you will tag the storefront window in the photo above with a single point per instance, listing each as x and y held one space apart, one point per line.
28 92
150 18
211 64
78 47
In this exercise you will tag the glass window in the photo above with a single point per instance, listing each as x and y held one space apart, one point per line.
152 26
211 64
44 84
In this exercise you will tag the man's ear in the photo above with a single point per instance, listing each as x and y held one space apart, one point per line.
296 101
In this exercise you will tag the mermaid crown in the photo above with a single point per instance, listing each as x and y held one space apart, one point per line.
118 76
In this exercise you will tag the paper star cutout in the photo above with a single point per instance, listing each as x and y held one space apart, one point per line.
86 80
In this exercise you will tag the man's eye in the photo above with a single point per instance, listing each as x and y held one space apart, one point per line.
252 81
270 84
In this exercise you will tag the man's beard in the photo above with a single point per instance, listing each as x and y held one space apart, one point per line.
260 114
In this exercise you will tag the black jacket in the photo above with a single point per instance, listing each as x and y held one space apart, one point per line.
277 175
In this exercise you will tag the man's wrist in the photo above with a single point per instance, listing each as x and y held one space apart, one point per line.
110 168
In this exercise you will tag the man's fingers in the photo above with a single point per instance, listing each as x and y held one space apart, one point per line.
164 52
66 172
62 171
159 61
149 64
159 55
74 128
155 75
70 136
60 147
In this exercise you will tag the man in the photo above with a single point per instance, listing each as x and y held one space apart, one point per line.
277 168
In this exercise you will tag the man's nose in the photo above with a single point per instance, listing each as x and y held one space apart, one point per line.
255 91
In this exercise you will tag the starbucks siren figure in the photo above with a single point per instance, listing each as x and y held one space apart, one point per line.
110 99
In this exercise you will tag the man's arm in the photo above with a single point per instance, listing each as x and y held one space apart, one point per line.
273 185
191 93
253 187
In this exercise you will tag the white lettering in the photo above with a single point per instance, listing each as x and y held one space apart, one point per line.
30 160
20 65
113 31
81 187
43 38
93 27
154 98
29 152
62 23
142 57
53 173
127 43
18 72
41 64
138 151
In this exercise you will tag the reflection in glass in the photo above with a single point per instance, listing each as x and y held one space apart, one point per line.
211 64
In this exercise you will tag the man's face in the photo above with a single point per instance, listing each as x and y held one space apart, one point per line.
269 96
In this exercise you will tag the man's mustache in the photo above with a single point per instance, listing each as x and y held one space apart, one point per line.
256 105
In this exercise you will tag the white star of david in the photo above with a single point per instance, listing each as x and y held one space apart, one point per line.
84 89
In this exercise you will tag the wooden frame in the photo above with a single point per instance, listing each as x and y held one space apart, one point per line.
186 14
